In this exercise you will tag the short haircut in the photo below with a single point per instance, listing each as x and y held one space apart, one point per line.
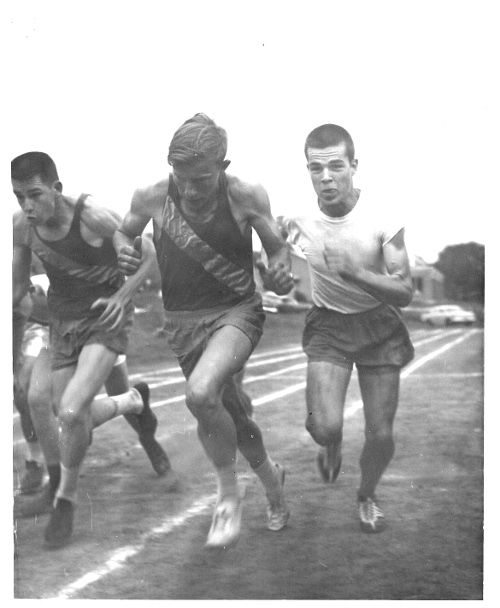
330 135
198 138
33 164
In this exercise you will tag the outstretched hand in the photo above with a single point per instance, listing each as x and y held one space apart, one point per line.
114 310
276 277
130 258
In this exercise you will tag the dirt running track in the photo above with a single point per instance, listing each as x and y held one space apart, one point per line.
135 540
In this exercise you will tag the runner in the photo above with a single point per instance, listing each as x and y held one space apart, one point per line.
203 221
91 314
360 274
29 336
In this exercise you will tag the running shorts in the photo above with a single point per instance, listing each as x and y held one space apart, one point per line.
373 339
188 332
69 336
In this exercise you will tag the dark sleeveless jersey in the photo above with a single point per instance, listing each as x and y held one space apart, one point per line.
203 265
79 273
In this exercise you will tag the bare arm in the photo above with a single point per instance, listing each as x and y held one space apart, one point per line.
21 262
277 275
105 222
395 287
141 211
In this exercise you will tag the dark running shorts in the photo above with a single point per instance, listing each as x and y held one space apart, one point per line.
375 339
188 332
69 336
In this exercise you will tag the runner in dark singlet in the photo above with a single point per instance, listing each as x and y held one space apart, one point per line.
203 220
91 313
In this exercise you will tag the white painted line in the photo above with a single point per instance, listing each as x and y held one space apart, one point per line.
119 557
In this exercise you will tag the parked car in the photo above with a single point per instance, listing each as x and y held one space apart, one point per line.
448 314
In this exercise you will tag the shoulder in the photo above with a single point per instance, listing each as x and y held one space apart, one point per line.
151 196
92 208
250 195
94 214
20 227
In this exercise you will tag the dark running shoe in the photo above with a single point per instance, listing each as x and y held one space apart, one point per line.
329 463
371 517
58 532
37 505
145 425
31 481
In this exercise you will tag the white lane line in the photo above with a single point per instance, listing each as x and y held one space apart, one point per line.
249 379
254 357
119 557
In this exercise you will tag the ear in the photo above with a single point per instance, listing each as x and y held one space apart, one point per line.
225 164
58 186
354 165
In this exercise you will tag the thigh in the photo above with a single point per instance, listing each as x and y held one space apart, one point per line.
326 390
117 381
225 354
380 393
92 370
40 388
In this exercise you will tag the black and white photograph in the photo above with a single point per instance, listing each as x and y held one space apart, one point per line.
248 300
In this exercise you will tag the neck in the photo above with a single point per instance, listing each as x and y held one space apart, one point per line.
200 213
342 208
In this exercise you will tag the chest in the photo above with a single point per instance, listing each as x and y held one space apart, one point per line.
62 232
361 240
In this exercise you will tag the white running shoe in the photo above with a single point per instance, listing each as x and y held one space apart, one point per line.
278 512
226 523
371 518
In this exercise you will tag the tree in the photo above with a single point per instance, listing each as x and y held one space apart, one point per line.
463 269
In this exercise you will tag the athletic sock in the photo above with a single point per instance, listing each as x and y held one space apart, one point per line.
128 403
69 482
269 478
54 471
227 481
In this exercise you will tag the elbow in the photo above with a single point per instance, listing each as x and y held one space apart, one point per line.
405 297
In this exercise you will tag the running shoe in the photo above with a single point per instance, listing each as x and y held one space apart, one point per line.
226 524
58 532
329 461
145 425
371 517
278 512
32 478
37 505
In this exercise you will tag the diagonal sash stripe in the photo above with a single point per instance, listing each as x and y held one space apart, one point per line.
94 274
184 237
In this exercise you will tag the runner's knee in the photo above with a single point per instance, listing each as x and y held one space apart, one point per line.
200 398
324 433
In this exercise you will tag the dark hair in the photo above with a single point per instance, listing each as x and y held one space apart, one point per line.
330 135
32 164
198 138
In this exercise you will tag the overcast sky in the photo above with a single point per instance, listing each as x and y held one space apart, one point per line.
101 86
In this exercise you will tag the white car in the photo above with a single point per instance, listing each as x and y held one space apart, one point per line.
448 314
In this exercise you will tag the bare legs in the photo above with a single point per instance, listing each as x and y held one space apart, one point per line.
327 385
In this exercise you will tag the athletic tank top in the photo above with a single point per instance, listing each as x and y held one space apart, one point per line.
79 273
203 265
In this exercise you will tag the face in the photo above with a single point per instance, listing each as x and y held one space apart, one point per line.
331 174
197 181
36 199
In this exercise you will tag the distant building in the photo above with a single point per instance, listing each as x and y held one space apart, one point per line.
428 282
